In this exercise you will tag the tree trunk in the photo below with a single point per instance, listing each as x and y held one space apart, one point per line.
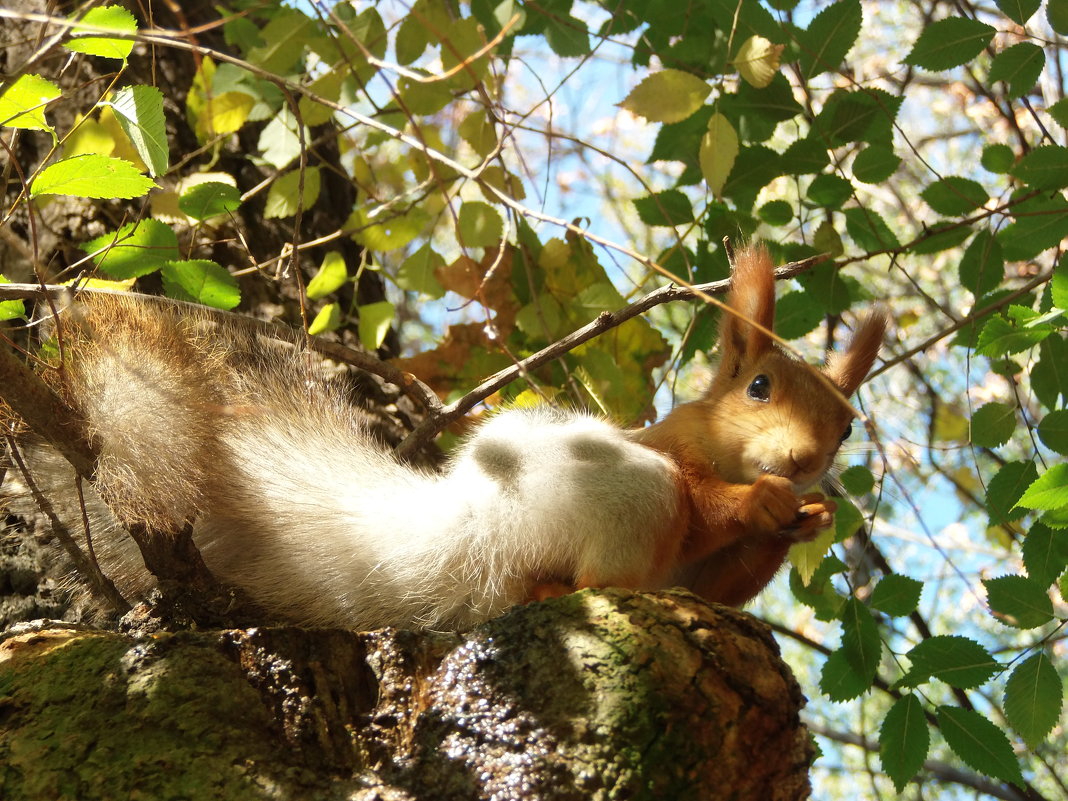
600 694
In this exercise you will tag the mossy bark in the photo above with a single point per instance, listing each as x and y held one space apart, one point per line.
599 695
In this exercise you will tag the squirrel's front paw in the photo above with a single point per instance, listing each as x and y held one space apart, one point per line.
815 514
771 505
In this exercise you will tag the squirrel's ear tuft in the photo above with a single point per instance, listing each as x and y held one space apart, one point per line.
849 368
752 297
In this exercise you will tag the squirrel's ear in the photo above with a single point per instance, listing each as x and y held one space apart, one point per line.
752 296
849 368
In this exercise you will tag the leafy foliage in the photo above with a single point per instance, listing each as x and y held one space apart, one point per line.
922 148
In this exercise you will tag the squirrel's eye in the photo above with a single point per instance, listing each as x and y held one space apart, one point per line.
760 388
847 432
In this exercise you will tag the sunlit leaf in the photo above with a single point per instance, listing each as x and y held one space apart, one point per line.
22 105
91 175
719 150
201 281
667 96
85 38
331 276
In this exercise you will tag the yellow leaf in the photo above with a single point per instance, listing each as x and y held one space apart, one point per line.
228 112
719 149
806 556
950 425
667 96
328 319
758 61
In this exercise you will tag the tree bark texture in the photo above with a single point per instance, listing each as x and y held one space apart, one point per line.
596 695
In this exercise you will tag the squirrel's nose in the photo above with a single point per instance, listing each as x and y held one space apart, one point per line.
804 463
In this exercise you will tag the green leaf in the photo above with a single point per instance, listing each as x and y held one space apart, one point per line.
1057 14
875 163
955 195
1049 377
139 110
718 152
941 236
1059 112
869 230
829 38
776 212
1019 67
997 158
796 314
332 275
904 740
375 320
829 191
113 18
1044 167
92 175
1011 333
828 287
1041 223
949 43
11 309
958 661
667 96
819 593
860 639
1034 699
480 225
1045 553
1058 287
1053 431
328 319
201 281
982 267
1018 601
1006 488
285 194
838 680
897 595
979 743
22 105
567 36
1048 491
135 249
857 480
209 199
993 424
418 272
1019 11
671 207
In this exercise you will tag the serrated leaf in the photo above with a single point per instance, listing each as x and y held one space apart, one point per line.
1058 110
758 61
332 275
838 681
875 163
806 557
997 158
567 35
1044 167
1019 11
22 105
1049 377
1058 287
1045 553
897 595
1034 698
1002 336
201 281
375 320
1006 488
1019 66
857 480
982 266
135 249
796 314
992 425
226 113
480 225
85 39
284 196
860 639
1018 601
388 231
979 743
418 273
958 661
904 740
139 110
829 191
869 230
954 195
1048 491
670 207
328 319
1053 431
1040 223
718 152
949 43
92 175
209 199
829 37
667 96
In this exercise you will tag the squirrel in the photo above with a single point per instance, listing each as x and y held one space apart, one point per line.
293 500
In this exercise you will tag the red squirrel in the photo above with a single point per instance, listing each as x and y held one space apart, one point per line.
292 498
751 451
